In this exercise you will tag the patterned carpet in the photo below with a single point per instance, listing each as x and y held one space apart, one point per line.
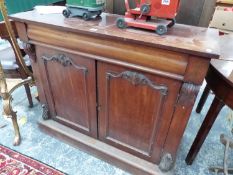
14 163
75 162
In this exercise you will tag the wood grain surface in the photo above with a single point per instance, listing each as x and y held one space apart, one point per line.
187 39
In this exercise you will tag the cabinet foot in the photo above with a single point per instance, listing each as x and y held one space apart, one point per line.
45 113
166 163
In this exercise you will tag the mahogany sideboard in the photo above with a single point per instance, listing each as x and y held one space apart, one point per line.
122 95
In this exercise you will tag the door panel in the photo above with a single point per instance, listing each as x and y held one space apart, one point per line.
70 81
135 109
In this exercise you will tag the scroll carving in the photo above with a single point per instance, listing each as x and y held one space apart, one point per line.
138 79
65 61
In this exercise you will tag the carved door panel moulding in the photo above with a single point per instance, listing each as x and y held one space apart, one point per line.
65 61
138 79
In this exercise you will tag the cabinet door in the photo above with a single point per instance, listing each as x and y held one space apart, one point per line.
135 110
70 87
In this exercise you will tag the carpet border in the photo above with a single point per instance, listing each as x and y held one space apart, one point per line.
33 159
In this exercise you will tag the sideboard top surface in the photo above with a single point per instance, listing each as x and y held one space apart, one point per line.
180 38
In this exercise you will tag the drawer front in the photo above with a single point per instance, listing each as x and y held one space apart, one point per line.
135 110
146 56
69 84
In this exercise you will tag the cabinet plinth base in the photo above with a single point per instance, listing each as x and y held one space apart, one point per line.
101 150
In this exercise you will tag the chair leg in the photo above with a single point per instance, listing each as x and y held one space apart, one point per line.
203 99
17 138
7 108
29 95
9 113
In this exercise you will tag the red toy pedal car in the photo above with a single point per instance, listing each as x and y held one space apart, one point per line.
140 17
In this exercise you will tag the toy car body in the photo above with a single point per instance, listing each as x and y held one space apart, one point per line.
84 8
140 16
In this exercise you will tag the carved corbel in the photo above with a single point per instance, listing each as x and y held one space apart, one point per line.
30 51
188 94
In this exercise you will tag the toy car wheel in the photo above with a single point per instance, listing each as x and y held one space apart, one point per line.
121 23
145 9
86 16
173 22
66 13
161 29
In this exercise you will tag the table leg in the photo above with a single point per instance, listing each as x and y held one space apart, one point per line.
29 95
203 99
211 116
